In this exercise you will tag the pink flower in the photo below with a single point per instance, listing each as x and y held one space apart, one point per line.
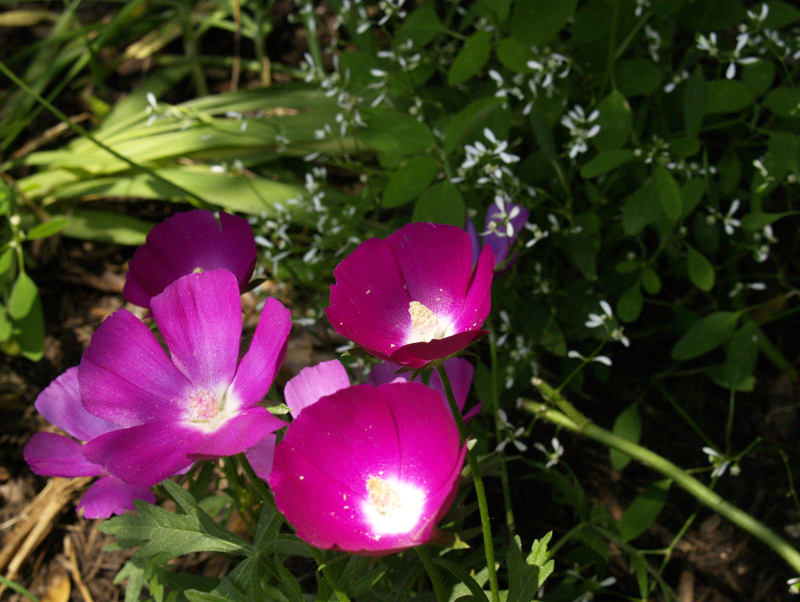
55 455
196 403
368 470
413 297
189 242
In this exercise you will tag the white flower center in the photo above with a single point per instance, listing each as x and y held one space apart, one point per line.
393 507
203 405
426 325
208 407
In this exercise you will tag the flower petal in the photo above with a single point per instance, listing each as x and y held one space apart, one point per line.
265 356
55 455
261 455
477 304
146 454
109 496
185 242
419 355
200 316
313 383
236 434
126 377
60 404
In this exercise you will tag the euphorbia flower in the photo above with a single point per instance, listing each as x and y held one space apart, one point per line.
194 404
413 297
504 221
369 470
187 243
55 455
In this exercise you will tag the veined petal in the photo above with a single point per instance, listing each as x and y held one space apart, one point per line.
313 383
419 355
60 404
236 434
477 304
146 454
109 496
126 377
55 455
200 316
265 356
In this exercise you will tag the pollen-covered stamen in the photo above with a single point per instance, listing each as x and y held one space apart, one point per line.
383 497
198 270
393 507
423 321
203 405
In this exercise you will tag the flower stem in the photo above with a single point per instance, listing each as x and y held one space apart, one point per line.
498 435
701 492
475 469
433 573
270 501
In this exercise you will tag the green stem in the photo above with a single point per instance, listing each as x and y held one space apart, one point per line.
330 577
475 469
433 573
701 492
18 588
191 47
498 430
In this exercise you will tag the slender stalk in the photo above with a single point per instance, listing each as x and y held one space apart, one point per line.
433 573
330 577
498 430
18 588
701 492
475 469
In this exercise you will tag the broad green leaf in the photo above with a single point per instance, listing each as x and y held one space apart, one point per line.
471 118
741 354
163 535
758 76
396 134
629 304
514 55
669 195
543 134
526 575
552 339
615 120
6 261
644 509
421 26
784 102
29 332
501 8
47 228
717 374
627 425
102 226
694 102
5 325
442 203
536 22
650 281
604 162
781 14
727 96
23 296
472 58
705 335
753 222
691 194
640 209
409 181
637 77
701 271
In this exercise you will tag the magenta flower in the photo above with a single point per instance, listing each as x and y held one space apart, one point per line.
187 243
54 455
368 470
413 297
194 404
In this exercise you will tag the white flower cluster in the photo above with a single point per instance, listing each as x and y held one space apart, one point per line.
580 129
525 87
555 227
511 433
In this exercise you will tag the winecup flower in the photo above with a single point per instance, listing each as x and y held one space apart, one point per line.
369 470
55 455
196 403
413 297
187 243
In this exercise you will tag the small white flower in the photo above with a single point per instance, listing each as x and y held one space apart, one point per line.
596 320
554 456
794 586
720 463
602 359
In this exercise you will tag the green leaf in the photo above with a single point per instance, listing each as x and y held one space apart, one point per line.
47 228
694 101
472 117
396 134
691 194
741 354
650 281
629 304
536 22
28 332
753 222
442 203
615 120
637 77
163 535
644 509
717 374
669 195
421 26
780 15
409 181
758 76
604 162
628 425
5 325
103 226
23 296
479 595
727 96
701 271
514 55
640 209
784 102
527 575
6 196
472 58
706 335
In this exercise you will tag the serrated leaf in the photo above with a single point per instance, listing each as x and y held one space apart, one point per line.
701 271
706 335
464 577
627 425
24 293
414 176
644 509
669 195
442 203
527 575
163 535
47 228
472 58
